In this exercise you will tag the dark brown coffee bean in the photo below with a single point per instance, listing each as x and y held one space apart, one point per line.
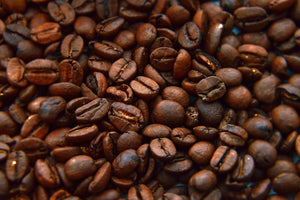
125 163
46 174
70 70
253 56
275 33
203 180
125 39
145 34
156 131
211 89
189 36
281 166
62 154
7 124
51 108
286 183
210 114
140 192
224 159
46 33
125 117
233 135
15 33
17 165
238 97
163 58
230 76
144 87
122 70
81 133
4 184
265 89
201 152
96 63
163 149
244 168
129 140
121 93
83 7
92 111
109 194
108 50
4 151
15 72
110 27
64 89
263 153
62 12
41 71
168 112
72 46
183 137
79 167
85 26
258 127
205 133
290 95
33 147
251 18
101 178
285 118
178 15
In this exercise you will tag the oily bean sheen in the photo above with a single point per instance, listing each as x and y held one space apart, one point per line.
149 99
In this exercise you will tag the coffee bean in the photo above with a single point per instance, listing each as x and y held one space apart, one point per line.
79 167
163 149
125 117
17 165
233 135
122 70
263 153
46 174
201 152
101 178
46 33
203 180
144 87
125 163
92 111
223 159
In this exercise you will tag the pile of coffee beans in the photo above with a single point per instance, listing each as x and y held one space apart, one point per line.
149 99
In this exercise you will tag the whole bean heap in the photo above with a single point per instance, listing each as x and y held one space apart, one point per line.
149 99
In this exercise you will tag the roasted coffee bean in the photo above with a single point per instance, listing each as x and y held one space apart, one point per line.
244 169
263 153
15 33
203 180
101 178
223 159
81 133
70 70
189 36
34 148
183 137
41 71
51 107
125 163
290 94
15 71
62 12
79 167
17 165
233 135
163 58
140 192
163 149
285 118
46 33
92 111
144 87
108 50
280 185
125 117
122 70
210 89
281 166
129 140
168 112
46 174
145 34
110 27
201 152
72 46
